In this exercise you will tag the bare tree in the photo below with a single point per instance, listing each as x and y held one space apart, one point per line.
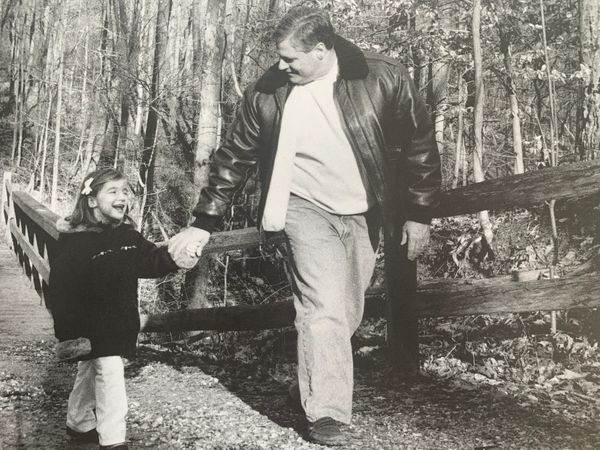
509 83
459 153
478 173
437 91
588 137
146 170
551 92
57 120
211 65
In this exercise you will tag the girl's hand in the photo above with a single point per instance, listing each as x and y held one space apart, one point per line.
186 261
186 246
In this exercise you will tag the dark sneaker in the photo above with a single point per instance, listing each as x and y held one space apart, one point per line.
326 431
121 446
89 437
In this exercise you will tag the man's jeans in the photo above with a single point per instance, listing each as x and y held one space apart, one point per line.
99 387
331 259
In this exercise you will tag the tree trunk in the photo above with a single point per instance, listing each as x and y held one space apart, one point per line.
44 144
146 171
416 58
125 38
18 85
439 71
141 74
437 85
210 89
23 94
590 60
57 122
478 173
505 48
211 64
459 152
551 93
112 56
84 107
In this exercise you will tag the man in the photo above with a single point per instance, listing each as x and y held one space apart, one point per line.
342 142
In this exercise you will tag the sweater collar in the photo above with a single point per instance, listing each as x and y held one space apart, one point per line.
351 62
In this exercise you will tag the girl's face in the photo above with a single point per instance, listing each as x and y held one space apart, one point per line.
112 201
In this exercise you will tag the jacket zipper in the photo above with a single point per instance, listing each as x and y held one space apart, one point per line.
352 139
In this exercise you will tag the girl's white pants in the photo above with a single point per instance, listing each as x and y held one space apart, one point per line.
100 386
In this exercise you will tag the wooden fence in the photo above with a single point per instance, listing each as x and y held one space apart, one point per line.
31 227
33 234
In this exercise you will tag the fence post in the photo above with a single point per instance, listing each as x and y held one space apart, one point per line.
402 323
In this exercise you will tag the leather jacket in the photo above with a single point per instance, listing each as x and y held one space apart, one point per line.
385 121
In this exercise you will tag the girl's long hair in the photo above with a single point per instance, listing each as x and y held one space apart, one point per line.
82 213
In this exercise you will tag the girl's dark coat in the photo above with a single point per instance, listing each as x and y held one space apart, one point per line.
93 285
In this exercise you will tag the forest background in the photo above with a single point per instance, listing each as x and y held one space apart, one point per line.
151 86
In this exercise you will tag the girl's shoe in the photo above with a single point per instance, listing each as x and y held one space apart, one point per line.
89 437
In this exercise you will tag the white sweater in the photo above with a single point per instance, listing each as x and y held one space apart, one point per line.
314 158
325 169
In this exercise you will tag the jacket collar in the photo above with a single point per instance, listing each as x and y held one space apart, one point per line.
351 60
66 227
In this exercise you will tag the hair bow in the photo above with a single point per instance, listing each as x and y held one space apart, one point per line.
87 187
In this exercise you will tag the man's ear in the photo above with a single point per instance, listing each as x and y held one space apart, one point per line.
320 50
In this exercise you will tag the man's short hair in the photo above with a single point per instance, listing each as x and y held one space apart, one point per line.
306 26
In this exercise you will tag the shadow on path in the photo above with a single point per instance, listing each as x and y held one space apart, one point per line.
392 412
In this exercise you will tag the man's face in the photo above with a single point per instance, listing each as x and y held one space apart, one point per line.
301 67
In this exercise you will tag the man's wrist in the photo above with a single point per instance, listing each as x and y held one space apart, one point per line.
419 213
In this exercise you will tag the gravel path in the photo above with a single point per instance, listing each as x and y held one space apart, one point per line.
179 401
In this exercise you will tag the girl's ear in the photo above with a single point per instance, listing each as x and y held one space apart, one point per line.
92 202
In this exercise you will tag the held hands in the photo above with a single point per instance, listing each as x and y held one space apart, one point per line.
417 236
186 246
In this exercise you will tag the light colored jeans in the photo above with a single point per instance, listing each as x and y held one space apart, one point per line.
100 386
331 259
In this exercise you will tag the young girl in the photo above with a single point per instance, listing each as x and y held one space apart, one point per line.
93 294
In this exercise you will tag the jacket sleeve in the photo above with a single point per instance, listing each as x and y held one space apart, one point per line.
231 165
66 293
153 261
420 159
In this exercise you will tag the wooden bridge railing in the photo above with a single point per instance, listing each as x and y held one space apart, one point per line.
33 234
32 229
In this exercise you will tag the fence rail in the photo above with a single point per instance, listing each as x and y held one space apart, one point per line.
33 234
31 227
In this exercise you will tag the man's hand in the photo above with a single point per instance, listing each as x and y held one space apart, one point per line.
186 246
417 236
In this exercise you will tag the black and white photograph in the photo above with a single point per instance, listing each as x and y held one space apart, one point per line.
299 224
